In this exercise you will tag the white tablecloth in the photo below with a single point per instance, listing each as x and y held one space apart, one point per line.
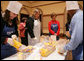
36 55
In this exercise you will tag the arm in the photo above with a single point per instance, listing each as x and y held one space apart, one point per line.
76 38
58 29
50 30
29 26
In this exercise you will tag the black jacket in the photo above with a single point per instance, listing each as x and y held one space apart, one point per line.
30 26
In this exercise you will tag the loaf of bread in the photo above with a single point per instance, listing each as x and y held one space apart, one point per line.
47 50
17 44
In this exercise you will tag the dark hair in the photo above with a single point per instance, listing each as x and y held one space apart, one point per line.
7 16
23 19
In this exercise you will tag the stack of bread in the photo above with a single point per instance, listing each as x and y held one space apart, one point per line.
13 42
48 48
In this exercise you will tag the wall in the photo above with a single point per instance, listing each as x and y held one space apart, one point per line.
81 3
4 5
48 9
58 8
55 6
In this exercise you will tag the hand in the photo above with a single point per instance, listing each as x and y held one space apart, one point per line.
5 42
68 34
35 38
61 49
55 34
14 37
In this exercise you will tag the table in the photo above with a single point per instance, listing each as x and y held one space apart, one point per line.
36 55
52 56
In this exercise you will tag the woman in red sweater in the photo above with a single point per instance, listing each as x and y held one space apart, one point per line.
54 26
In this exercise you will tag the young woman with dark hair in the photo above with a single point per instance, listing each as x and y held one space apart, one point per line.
9 28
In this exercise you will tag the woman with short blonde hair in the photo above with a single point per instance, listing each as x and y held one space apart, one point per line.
54 26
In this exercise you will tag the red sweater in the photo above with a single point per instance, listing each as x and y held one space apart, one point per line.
22 29
49 27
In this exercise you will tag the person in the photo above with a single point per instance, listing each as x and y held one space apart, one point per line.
54 26
9 28
76 31
68 26
29 28
22 31
36 26
68 22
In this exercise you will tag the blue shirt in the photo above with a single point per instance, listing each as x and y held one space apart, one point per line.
76 31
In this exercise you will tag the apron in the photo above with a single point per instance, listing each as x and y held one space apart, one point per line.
54 27
8 31
37 32
7 50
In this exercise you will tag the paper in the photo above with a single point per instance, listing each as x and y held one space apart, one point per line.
53 37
